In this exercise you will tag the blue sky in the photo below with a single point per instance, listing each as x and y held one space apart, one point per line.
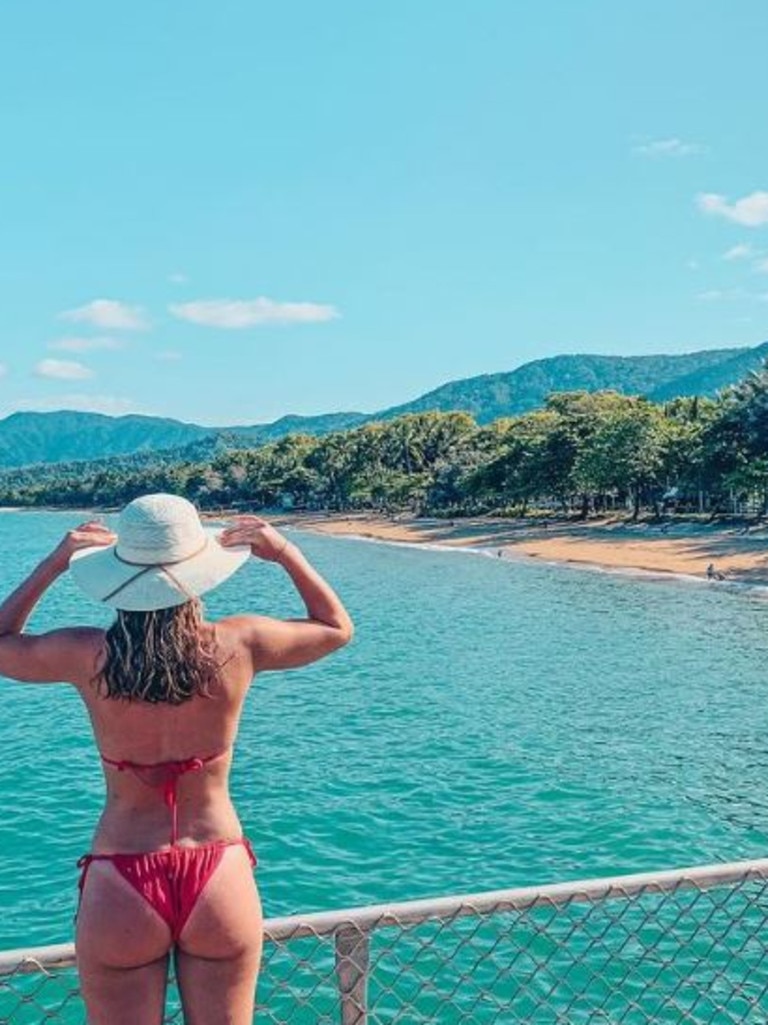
227 212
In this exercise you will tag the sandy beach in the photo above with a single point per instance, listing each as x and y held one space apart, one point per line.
739 553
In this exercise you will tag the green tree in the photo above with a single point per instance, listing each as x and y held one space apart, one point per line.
625 451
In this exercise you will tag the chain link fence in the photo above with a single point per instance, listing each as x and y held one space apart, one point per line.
686 947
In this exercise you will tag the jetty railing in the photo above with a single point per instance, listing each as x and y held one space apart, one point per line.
683 946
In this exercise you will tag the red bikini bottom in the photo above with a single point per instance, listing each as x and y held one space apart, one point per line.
170 881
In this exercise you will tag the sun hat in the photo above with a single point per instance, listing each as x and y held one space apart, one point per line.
163 557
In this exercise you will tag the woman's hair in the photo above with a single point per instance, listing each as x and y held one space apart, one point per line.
159 656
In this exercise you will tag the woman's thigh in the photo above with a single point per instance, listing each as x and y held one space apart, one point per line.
219 950
122 951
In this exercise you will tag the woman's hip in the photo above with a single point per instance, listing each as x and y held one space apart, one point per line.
170 889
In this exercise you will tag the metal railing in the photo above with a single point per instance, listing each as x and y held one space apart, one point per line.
684 946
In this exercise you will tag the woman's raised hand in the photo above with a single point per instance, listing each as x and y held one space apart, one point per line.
87 535
265 542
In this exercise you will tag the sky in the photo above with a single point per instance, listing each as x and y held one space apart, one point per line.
228 212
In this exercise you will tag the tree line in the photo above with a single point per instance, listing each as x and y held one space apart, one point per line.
579 454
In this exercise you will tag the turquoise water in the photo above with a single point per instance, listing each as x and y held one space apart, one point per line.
494 723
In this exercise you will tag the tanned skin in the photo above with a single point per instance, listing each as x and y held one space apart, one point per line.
123 946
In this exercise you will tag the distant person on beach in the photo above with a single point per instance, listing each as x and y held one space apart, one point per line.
713 574
169 868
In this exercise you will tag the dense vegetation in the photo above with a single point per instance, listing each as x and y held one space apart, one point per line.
658 378
581 452
27 438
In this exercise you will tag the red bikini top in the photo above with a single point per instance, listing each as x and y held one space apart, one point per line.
164 776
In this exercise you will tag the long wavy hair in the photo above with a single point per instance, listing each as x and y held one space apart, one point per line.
159 656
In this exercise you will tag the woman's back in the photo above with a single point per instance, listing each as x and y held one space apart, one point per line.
169 868
140 741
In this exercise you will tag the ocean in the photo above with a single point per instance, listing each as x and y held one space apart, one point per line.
494 723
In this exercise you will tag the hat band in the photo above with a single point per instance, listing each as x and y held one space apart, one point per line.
145 568
161 562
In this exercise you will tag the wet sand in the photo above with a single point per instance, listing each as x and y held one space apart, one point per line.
739 553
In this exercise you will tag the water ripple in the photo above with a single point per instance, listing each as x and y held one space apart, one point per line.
494 723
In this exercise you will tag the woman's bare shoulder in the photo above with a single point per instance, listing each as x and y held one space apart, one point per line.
68 655
246 631
242 624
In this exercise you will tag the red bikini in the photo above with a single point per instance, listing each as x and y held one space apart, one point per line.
170 880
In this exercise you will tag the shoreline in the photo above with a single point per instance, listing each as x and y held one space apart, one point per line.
739 555
684 549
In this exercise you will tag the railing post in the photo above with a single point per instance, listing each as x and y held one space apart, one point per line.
352 960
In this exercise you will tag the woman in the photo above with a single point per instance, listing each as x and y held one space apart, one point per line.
169 868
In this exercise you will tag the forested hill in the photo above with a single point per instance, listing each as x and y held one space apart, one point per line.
710 378
657 377
58 437
27 438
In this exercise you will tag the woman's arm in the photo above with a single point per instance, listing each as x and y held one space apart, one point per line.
286 644
54 656
322 603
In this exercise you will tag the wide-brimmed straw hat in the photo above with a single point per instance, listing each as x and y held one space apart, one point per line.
163 557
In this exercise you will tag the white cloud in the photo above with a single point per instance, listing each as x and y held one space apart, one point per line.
63 369
742 251
178 278
692 264
750 211
112 405
722 294
3 369
168 355
241 313
761 266
85 344
668 148
713 295
108 314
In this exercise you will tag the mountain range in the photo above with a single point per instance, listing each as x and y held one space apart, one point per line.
30 437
